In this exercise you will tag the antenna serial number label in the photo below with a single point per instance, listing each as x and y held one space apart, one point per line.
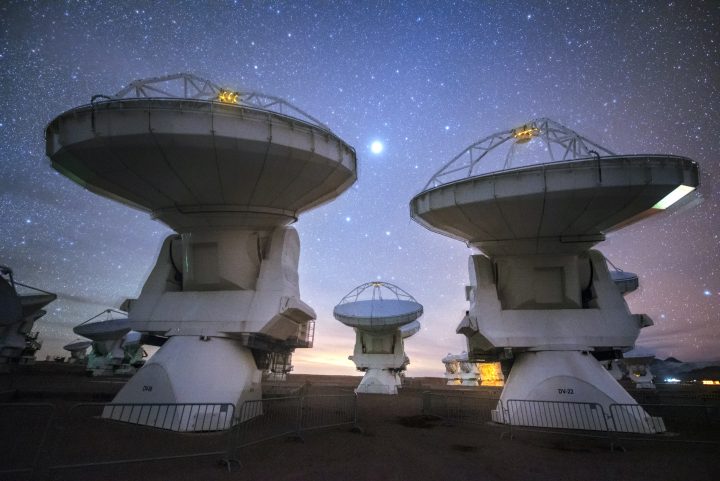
566 390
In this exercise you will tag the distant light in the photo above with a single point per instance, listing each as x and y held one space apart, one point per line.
674 196
672 380
709 382
228 96
347 219
707 293
376 147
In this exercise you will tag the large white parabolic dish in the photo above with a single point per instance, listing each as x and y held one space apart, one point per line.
409 330
108 330
77 346
199 163
553 207
380 314
377 313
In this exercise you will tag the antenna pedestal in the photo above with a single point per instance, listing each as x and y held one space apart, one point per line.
469 373
569 376
381 355
546 310
105 357
225 299
178 374
379 381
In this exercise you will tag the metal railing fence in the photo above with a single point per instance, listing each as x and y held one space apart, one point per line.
24 428
667 422
195 417
100 434
87 435
659 418
583 416
330 410
267 419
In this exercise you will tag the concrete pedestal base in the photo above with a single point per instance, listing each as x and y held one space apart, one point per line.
191 370
379 381
574 377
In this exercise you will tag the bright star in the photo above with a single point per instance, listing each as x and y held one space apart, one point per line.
376 147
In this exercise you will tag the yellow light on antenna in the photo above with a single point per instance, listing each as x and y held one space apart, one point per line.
228 96
525 132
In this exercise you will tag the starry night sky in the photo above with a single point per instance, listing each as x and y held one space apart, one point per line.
424 78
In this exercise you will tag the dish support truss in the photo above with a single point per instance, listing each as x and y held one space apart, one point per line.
375 292
189 86
560 142
108 316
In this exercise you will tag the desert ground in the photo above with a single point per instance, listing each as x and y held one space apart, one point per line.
396 441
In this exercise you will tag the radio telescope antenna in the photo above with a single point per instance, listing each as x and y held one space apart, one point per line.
383 315
20 306
535 200
228 170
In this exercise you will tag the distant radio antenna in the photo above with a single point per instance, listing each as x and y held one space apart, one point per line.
383 315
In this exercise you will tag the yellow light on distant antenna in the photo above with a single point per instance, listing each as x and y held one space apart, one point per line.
491 374
674 196
228 96
525 133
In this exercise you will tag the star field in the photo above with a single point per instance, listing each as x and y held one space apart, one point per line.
425 79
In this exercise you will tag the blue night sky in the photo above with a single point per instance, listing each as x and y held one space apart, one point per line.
426 79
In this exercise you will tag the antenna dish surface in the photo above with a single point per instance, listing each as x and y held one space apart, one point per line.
193 159
104 330
551 205
625 281
409 330
107 330
77 346
377 306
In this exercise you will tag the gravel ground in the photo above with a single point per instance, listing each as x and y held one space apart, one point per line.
396 443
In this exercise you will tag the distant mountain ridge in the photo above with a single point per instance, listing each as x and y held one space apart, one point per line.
685 371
